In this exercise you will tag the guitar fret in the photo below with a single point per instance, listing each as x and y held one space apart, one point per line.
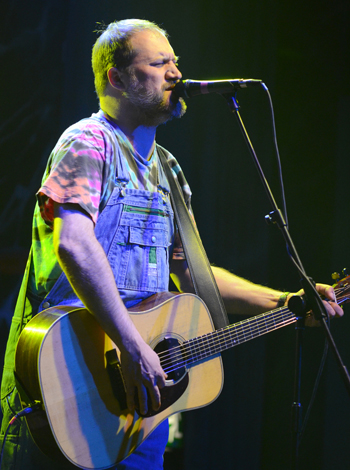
244 339
206 345
283 316
212 342
227 343
266 328
267 323
228 340
191 356
274 321
250 330
256 331
196 350
236 340
260 326
213 339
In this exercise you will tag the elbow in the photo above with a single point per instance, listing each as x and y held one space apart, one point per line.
63 249
73 237
65 243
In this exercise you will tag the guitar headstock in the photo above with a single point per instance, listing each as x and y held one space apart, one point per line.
342 287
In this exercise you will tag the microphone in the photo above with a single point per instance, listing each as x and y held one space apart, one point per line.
189 88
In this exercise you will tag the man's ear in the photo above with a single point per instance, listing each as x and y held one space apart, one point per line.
114 79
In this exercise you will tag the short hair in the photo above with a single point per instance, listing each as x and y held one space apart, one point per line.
113 48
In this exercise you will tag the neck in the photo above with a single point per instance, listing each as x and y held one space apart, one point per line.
141 137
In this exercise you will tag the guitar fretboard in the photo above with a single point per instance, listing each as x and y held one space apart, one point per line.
206 346
203 347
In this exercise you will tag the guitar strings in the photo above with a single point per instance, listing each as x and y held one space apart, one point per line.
193 349
210 340
201 347
223 340
218 338
343 298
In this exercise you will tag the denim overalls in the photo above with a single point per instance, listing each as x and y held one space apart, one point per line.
136 231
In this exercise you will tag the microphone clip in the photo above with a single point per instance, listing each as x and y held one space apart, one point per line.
231 100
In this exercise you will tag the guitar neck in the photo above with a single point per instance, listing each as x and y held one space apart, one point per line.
206 346
238 333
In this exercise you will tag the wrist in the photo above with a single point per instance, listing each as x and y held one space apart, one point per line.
282 299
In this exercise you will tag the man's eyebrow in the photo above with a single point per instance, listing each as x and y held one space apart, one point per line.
169 57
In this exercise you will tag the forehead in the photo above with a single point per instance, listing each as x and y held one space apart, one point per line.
149 45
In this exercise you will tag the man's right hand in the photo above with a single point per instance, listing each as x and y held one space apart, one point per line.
142 373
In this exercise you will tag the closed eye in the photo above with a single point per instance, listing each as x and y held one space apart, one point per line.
160 63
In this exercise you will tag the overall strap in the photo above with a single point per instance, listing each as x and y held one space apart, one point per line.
202 276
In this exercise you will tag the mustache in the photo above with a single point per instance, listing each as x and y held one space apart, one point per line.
170 85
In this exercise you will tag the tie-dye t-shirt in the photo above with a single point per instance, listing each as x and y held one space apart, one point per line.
81 170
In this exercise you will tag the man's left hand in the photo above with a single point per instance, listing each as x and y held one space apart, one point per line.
330 303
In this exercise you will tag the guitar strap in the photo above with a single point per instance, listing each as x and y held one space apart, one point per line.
201 273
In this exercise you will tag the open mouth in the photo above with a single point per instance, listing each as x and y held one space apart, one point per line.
170 87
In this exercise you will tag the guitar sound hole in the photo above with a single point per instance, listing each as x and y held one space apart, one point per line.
173 363
177 381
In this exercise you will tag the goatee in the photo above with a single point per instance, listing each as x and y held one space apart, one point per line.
152 108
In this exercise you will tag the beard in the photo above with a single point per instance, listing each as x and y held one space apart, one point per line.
151 107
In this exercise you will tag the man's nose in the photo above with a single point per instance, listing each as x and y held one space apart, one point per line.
173 73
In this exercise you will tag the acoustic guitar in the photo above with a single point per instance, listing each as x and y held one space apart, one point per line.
65 361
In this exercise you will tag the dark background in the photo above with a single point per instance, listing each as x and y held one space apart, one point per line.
300 49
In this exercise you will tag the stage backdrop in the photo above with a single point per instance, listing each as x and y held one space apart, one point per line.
301 51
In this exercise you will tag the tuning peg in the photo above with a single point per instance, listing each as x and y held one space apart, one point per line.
336 277
345 272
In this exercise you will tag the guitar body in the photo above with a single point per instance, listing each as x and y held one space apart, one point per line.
68 363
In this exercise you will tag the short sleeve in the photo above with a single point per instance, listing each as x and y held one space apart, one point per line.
75 172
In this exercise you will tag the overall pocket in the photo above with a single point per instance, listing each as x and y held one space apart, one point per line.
140 255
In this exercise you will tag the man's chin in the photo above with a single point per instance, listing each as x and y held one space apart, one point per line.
177 109
180 108
166 113
157 112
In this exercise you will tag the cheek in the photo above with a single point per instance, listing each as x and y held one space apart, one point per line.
151 78
141 76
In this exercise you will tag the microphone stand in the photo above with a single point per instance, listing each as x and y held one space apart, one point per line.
307 283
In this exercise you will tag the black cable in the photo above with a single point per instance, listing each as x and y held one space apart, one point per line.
278 156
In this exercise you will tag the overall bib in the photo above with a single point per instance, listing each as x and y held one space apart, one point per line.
136 231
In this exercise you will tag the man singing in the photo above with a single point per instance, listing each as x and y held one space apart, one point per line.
104 235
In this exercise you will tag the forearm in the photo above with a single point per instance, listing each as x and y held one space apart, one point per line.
239 295
244 297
